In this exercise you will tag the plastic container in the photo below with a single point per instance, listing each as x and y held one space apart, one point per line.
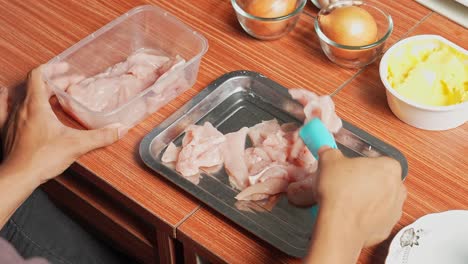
415 114
142 28
266 28
355 56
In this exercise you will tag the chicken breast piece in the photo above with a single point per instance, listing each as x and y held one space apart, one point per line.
120 83
256 160
318 106
201 147
263 190
259 132
269 136
163 92
273 170
171 154
234 162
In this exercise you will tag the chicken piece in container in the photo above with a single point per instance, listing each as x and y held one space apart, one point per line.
120 83
128 69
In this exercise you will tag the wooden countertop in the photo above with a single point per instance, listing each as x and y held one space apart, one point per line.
32 32
438 161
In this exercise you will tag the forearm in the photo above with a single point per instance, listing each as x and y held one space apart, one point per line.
334 240
16 184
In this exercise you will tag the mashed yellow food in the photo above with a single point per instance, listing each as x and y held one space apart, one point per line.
430 73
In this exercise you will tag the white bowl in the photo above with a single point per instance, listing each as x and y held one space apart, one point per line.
415 114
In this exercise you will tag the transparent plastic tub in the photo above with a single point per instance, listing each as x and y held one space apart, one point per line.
142 28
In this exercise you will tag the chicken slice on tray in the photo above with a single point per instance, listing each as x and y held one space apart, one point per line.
201 147
234 162
171 154
300 155
269 136
278 160
265 205
272 170
279 178
263 190
261 131
256 160
318 106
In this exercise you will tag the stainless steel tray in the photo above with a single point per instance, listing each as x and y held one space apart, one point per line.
235 100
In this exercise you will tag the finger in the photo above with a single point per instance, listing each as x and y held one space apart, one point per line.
402 196
398 205
392 168
3 105
64 82
329 155
323 149
36 90
54 69
97 138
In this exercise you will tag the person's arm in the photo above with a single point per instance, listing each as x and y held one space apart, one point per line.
15 186
335 239
360 201
36 146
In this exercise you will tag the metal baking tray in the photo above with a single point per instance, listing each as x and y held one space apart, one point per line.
235 100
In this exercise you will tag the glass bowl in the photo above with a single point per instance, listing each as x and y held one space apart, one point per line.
266 28
355 56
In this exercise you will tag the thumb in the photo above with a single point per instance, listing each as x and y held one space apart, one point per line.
98 138
3 105
329 155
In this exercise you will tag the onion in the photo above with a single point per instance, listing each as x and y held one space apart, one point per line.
270 8
350 26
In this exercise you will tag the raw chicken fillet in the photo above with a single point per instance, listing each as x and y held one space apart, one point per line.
119 84
278 160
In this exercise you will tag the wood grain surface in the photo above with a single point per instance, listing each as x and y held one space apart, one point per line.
438 161
438 175
32 32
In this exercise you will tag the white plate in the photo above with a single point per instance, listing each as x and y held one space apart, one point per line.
457 10
432 239
463 2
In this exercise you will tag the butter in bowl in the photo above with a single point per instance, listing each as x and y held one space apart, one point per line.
426 81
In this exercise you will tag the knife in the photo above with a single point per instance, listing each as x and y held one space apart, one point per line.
316 135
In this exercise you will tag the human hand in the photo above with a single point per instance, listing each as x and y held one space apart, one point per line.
367 192
360 201
34 140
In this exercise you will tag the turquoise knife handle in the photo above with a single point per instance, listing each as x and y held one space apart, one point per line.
316 135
